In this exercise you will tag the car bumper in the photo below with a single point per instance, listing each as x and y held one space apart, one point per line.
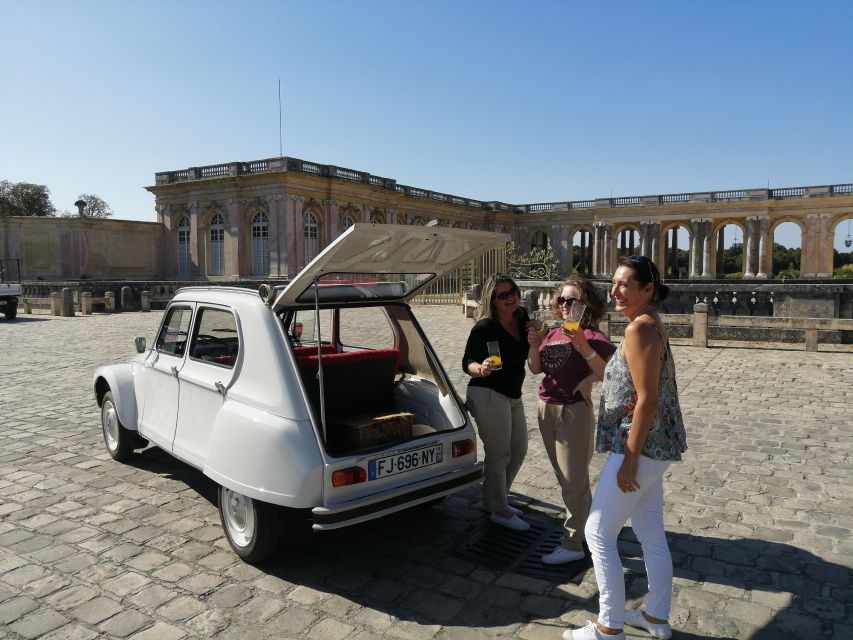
326 518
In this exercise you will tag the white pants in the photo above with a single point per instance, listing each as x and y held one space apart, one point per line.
608 514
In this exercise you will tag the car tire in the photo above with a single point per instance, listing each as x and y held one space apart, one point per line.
251 526
119 440
11 312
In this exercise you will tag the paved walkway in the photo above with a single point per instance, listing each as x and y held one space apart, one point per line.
759 516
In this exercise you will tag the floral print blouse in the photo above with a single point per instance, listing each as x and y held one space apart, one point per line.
667 438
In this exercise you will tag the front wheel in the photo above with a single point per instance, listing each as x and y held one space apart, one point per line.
251 527
119 440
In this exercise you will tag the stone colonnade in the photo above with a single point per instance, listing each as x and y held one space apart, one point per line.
281 212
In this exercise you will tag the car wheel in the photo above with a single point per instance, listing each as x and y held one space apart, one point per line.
11 312
119 440
251 527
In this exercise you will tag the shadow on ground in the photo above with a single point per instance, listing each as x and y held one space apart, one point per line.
409 566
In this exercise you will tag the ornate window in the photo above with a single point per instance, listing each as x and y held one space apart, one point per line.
311 236
184 259
346 222
377 218
217 246
260 245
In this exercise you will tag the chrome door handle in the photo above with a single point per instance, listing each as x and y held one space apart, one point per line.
174 371
220 387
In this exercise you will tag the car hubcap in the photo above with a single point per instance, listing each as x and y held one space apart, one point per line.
109 419
239 515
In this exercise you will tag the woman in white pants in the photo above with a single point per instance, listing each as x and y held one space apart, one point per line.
641 428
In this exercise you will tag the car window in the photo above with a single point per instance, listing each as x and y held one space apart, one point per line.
365 328
304 330
173 334
215 339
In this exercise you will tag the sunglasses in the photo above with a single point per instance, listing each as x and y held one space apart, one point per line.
503 295
561 301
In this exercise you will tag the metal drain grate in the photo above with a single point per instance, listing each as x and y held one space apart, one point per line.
502 549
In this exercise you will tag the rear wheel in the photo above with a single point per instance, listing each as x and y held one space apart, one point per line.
251 527
119 440
11 311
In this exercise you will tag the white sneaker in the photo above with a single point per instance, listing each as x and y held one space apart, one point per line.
591 632
513 522
635 618
515 511
561 555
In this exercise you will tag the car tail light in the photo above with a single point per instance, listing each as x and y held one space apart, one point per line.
350 475
462 448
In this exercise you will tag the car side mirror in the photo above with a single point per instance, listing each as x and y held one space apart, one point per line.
140 344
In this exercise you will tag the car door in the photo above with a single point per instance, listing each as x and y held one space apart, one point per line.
211 364
157 383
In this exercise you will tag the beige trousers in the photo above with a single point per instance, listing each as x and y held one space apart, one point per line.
568 433
503 430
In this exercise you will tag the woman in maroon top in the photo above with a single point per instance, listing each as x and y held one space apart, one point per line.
571 363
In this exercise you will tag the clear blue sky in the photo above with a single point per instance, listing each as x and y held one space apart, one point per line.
511 101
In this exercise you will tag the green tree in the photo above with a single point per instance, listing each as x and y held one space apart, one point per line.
25 199
95 206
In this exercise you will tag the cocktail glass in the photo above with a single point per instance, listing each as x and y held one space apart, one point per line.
495 355
571 322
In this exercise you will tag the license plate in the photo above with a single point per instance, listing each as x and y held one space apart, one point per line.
403 462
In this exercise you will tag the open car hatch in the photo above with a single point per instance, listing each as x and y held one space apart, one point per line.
387 262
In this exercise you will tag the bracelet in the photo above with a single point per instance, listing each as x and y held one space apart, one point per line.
591 355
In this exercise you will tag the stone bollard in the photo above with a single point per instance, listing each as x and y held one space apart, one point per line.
28 306
126 299
110 302
700 325
811 339
67 296
55 306
86 303
146 300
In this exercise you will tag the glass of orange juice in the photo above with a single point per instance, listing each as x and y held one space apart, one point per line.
495 355
572 319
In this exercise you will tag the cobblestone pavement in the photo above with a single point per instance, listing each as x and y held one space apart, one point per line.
758 516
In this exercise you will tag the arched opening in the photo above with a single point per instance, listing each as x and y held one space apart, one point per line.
582 252
627 242
184 258
260 244
217 246
676 255
787 254
842 250
730 256
539 240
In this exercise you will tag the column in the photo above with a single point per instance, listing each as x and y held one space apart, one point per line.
749 241
390 215
654 247
826 242
331 223
707 227
695 248
609 241
596 250
721 250
563 249
236 211
196 240
274 214
292 233
164 217
761 225
584 261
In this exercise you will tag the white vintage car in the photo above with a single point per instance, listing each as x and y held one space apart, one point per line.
322 400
